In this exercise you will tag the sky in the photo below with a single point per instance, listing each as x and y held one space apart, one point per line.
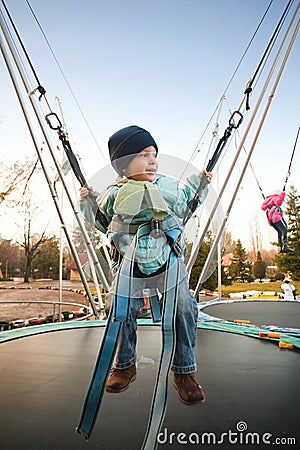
162 65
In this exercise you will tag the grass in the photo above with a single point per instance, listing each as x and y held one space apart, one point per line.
272 286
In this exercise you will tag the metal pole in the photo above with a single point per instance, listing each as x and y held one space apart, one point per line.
199 238
61 248
77 213
53 194
267 82
264 114
94 275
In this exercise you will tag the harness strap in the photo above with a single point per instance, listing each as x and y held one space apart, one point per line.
119 313
159 399
276 209
117 316
155 309
119 226
96 390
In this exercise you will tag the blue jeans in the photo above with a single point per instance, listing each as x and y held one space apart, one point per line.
281 228
186 324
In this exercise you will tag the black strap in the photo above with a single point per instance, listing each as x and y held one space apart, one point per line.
100 217
234 122
248 89
118 314
291 161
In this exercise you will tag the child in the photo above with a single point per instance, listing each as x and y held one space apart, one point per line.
272 206
139 196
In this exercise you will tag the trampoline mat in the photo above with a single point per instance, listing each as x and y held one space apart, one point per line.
285 314
44 380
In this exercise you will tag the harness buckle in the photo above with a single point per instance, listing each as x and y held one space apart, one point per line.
156 228
114 254
178 248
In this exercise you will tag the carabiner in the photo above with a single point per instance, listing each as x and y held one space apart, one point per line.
52 114
233 123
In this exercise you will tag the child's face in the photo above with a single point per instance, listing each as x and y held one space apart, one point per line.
143 167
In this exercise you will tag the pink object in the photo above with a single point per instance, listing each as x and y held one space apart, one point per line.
272 205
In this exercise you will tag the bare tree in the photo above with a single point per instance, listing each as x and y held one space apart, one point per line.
31 241
227 242
14 178
256 238
268 256
11 258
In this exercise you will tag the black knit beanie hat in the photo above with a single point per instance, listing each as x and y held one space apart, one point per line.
126 143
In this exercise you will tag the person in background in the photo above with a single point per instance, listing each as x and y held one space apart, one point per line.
289 290
272 206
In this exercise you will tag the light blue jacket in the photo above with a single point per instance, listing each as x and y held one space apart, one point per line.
151 253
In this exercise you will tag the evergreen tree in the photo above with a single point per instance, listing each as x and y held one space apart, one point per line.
240 269
259 267
11 258
79 241
46 263
290 262
212 281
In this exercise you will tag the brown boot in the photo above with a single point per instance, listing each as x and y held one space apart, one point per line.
189 391
120 379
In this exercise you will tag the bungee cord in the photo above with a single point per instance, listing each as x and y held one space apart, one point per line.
94 277
67 148
246 99
40 88
53 193
288 171
263 59
247 48
292 29
267 51
255 177
58 126
66 80
291 161
225 137
233 124
223 140
91 405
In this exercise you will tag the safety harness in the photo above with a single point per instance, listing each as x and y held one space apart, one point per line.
274 209
120 312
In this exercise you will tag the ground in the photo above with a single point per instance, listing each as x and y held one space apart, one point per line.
46 290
